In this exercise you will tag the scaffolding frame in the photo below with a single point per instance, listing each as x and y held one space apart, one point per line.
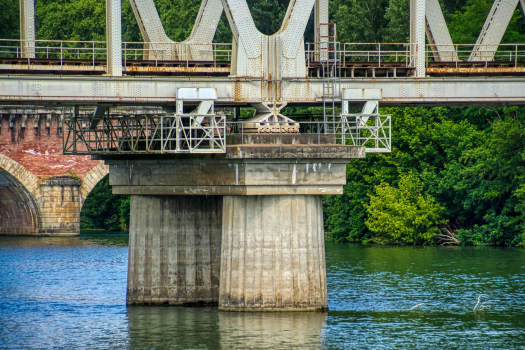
175 133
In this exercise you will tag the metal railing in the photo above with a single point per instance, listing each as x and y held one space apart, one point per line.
91 55
371 53
163 134
97 50
191 133
512 53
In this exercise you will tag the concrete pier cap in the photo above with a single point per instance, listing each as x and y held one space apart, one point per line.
259 205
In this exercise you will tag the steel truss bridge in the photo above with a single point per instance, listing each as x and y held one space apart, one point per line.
265 72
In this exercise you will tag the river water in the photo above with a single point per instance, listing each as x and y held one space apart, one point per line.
69 293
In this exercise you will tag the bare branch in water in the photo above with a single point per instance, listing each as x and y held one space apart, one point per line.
479 299
413 307
484 305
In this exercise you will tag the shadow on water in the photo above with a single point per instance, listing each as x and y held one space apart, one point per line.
207 328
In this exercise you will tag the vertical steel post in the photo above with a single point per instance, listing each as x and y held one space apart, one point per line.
321 16
114 38
417 36
27 28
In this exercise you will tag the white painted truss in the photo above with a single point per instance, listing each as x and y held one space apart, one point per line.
195 48
494 29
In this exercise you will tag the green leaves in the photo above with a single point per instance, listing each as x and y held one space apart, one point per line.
104 211
465 166
9 19
360 20
404 214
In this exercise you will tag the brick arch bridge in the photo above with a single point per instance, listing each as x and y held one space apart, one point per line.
41 190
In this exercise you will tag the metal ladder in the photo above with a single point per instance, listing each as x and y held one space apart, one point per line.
330 59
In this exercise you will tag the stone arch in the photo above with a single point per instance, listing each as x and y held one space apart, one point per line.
91 179
19 197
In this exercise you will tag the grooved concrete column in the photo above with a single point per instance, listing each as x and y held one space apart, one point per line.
174 249
272 255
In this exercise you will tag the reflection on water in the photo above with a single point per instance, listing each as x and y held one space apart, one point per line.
207 328
69 293
99 239
271 330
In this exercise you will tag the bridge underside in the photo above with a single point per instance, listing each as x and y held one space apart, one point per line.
232 91
18 211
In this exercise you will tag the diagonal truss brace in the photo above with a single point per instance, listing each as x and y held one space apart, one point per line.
196 48
488 40
494 29
437 33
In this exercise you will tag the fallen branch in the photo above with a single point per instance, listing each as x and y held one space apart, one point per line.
483 305
448 237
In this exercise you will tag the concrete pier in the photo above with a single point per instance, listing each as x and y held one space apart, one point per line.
273 254
263 197
174 249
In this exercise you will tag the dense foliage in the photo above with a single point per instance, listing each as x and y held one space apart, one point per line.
104 211
459 169
466 166
404 213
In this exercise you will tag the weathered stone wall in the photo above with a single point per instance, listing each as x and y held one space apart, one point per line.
60 209
46 189
38 148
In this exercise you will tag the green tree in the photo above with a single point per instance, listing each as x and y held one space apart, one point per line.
466 24
9 19
83 20
360 20
404 214
494 183
268 15
104 211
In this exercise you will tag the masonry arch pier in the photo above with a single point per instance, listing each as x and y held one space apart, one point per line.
43 205
19 214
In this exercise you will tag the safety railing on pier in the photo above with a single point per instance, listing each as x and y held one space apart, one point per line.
190 133
186 133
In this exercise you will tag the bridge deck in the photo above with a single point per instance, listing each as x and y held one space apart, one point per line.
349 69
